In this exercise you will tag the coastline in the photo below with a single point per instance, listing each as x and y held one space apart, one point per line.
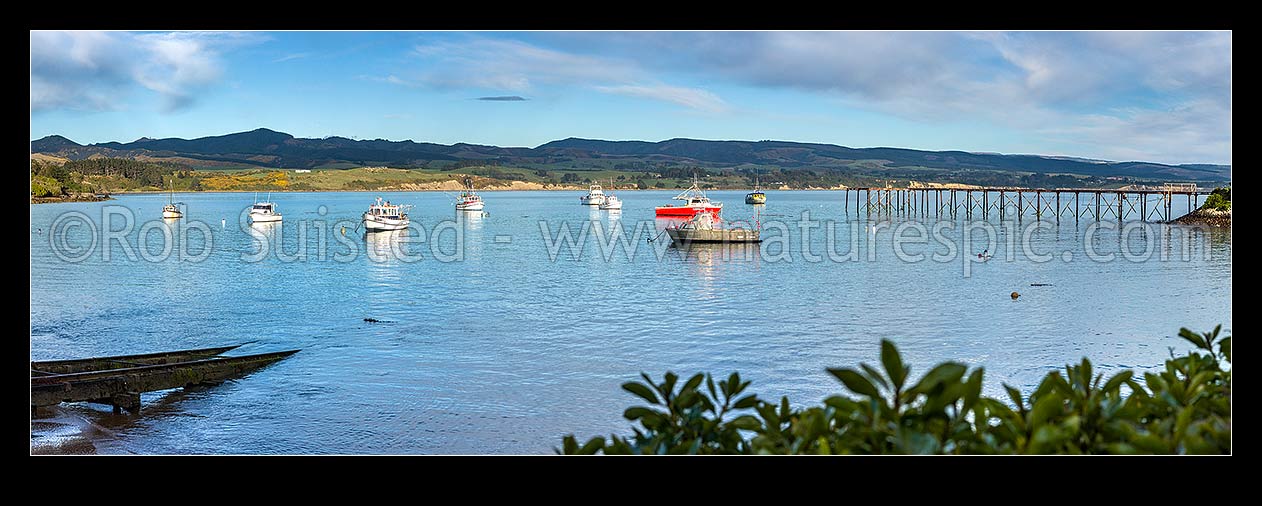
69 198
1206 217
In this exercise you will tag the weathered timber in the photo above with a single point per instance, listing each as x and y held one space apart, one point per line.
122 387
124 361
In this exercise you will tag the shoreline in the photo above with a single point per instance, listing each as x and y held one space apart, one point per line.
1206 217
68 199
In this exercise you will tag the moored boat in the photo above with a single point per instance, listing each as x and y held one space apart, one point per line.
468 200
386 216
704 228
695 202
264 212
595 196
756 196
612 202
171 210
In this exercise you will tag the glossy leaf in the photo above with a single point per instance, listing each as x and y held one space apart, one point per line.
972 389
944 373
855 382
893 363
640 390
1117 380
874 375
747 401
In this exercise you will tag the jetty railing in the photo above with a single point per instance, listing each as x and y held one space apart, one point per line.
1144 203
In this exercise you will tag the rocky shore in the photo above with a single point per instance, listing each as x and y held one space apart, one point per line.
77 197
1208 217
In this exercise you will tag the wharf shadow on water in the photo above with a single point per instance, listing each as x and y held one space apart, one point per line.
84 428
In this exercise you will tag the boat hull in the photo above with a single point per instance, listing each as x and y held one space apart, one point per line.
171 215
264 218
592 201
756 198
471 206
738 235
687 211
372 223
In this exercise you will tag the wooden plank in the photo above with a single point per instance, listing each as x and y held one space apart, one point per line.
125 361
110 384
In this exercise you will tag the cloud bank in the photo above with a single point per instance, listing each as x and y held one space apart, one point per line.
95 71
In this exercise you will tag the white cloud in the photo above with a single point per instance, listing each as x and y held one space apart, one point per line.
1158 96
692 98
292 56
91 70
1193 132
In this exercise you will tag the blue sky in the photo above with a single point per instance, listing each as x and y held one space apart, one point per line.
1152 96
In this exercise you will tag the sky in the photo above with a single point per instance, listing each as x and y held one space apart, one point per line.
1148 96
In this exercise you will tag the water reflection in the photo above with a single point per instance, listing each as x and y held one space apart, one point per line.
471 221
388 245
710 253
467 240
265 229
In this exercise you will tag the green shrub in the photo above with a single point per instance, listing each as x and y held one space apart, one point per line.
1185 409
1219 199
43 186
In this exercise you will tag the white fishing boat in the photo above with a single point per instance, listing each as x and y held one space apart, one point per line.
595 196
468 199
264 212
386 216
612 202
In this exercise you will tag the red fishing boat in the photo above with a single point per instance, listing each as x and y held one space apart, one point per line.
695 202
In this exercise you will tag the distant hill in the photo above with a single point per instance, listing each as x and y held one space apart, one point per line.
268 148
53 144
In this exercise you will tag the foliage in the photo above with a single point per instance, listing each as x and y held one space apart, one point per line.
1184 409
85 175
43 186
1219 199
250 180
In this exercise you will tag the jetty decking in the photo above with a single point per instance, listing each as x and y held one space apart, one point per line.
119 380
1156 203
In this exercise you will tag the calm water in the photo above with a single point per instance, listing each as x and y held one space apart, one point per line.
506 350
